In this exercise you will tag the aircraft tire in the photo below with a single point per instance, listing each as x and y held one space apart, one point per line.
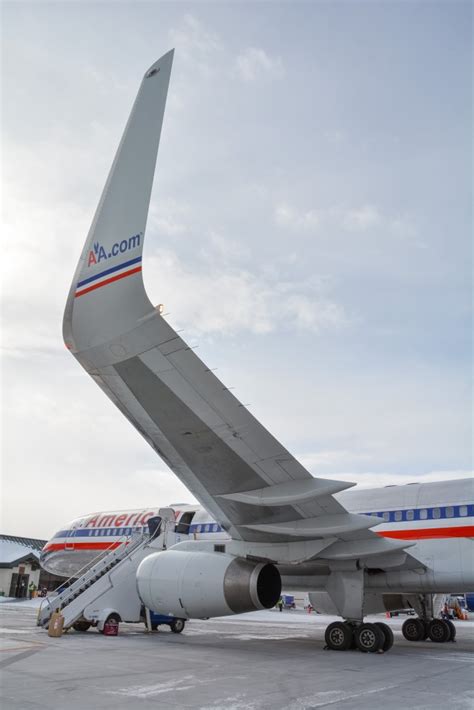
177 626
338 636
452 628
414 630
388 635
82 626
439 631
369 638
425 626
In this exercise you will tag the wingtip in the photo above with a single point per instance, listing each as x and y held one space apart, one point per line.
156 66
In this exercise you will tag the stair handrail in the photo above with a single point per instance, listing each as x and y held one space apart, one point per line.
124 540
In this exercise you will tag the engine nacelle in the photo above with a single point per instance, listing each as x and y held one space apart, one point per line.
198 585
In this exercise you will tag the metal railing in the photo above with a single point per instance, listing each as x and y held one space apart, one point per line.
82 578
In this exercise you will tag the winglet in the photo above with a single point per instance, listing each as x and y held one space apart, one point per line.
107 295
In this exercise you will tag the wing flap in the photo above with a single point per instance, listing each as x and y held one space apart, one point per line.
290 492
321 526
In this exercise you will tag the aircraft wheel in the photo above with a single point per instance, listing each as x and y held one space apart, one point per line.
414 630
154 627
369 638
388 635
452 628
177 626
338 636
439 631
81 626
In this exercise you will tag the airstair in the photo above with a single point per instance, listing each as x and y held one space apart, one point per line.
106 579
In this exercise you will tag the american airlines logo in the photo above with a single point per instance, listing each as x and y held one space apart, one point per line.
100 253
118 520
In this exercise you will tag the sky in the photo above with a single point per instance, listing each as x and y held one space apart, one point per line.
309 229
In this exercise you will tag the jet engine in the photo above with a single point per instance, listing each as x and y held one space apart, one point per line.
199 585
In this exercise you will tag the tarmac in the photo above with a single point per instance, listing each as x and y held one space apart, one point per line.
261 661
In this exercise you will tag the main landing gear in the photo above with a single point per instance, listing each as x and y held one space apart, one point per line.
437 630
368 638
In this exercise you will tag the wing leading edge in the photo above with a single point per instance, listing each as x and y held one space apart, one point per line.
239 472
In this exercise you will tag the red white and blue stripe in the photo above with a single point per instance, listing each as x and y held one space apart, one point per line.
108 276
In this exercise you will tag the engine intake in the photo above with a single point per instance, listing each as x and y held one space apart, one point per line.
198 585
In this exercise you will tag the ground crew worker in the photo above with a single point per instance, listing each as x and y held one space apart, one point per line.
280 603
31 589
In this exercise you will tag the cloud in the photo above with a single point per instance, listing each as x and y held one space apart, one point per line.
254 63
364 219
346 465
286 216
196 44
361 219
379 479
216 297
168 217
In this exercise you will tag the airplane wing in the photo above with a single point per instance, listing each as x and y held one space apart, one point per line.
239 472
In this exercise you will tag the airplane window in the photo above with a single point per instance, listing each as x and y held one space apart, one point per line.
436 513
463 510
449 511
423 514
398 515
386 517
410 514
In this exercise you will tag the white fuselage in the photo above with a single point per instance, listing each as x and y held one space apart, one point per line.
436 520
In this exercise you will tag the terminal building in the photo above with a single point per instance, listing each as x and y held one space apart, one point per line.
19 566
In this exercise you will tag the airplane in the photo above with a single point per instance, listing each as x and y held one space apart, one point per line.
264 521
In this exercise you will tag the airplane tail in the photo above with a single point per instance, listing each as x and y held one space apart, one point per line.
112 255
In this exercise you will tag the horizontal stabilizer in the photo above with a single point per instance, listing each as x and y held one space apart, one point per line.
321 526
290 492
356 549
